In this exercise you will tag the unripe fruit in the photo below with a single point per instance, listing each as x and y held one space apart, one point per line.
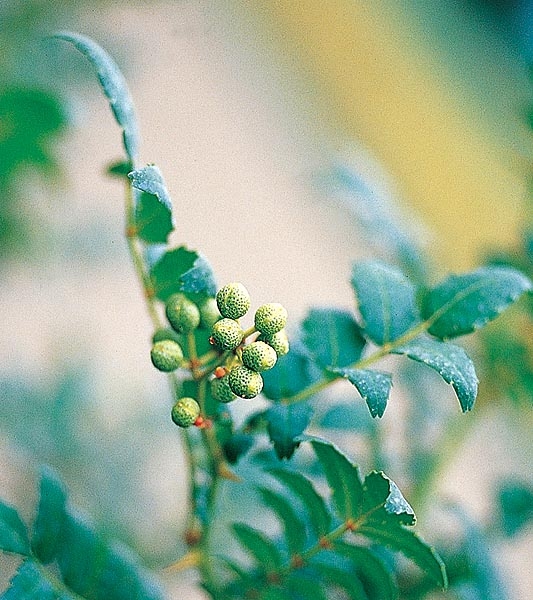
166 334
221 391
185 412
166 355
279 341
270 318
259 356
227 334
244 382
182 314
233 300
209 314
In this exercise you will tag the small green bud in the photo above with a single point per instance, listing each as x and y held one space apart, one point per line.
244 382
166 355
259 356
227 334
221 391
182 314
279 341
166 334
270 318
185 412
209 314
233 300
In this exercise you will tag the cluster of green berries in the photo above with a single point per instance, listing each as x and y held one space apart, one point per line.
245 380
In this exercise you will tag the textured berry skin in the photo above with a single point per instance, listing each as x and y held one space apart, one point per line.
185 412
244 382
209 314
182 314
279 341
166 355
166 334
233 301
270 318
221 391
227 334
259 356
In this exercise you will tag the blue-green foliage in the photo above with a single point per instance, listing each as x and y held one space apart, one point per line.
64 542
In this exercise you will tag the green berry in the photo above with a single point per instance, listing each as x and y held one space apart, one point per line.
259 356
221 391
182 314
209 314
279 341
244 382
185 412
227 334
233 301
166 334
270 318
166 355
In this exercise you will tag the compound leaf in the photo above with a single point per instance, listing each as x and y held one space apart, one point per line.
29 583
464 303
259 546
343 479
51 515
182 270
302 488
285 422
13 531
332 337
153 210
451 363
114 87
386 299
373 386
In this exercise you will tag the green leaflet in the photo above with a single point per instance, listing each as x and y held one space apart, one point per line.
342 578
13 532
260 547
114 87
332 337
153 210
182 270
383 499
451 363
29 583
343 479
515 501
374 387
285 422
386 300
302 488
463 303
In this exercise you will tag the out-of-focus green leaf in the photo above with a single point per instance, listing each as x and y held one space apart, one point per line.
376 578
464 303
13 531
29 583
291 374
114 87
374 387
294 529
259 546
343 479
332 337
348 417
182 270
285 422
315 508
51 517
305 587
236 445
340 577
386 300
153 211
515 500
451 363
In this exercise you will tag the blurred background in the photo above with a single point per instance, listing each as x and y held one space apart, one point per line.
288 133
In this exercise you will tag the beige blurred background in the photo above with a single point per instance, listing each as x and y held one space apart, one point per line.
241 104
